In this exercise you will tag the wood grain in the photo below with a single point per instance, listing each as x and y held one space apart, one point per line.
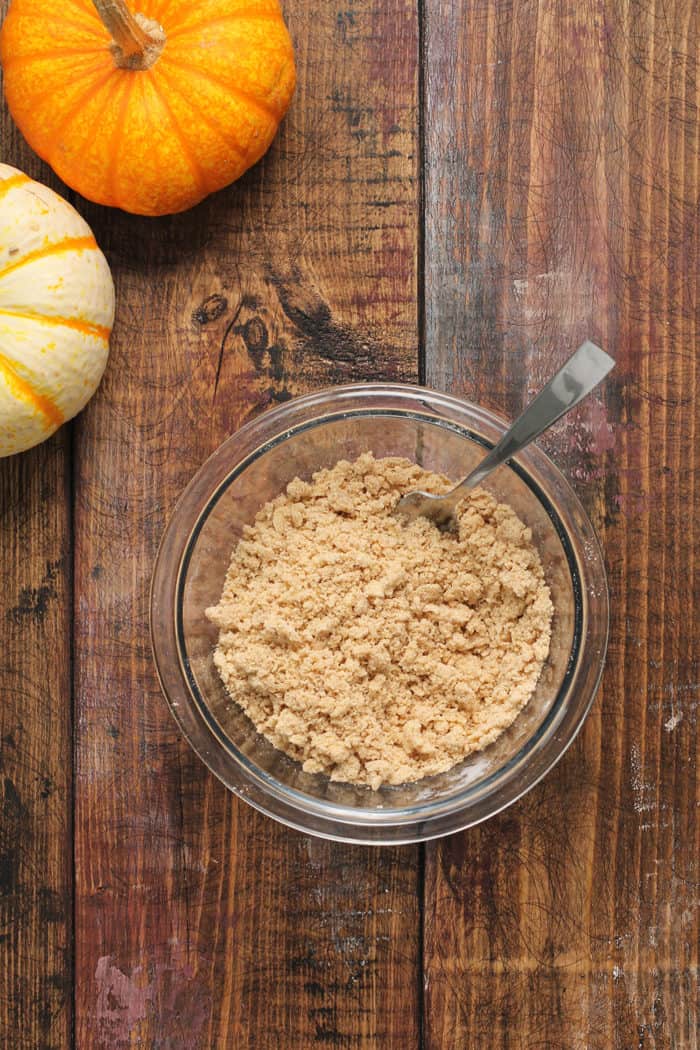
199 923
561 201
561 187
35 750
36 971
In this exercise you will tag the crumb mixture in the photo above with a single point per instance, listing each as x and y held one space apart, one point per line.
373 650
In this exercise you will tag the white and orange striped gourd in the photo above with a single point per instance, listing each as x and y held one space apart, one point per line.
56 311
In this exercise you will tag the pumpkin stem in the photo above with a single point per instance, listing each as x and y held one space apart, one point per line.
138 40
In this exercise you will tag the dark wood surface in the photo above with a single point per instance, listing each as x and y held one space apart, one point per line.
36 714
461 191
566 205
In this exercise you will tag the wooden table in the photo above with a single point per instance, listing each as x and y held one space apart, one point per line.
462 191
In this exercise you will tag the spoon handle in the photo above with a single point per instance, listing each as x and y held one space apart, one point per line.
574 381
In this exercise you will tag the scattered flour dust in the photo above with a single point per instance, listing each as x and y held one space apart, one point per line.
373 650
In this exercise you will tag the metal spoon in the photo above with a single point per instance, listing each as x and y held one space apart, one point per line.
578 377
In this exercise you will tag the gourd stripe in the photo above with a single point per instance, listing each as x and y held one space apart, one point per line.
99 331
236 16
192 163
84 8
231 88
44 21
24 392
161 9
115 143
79 6
66 245
200 115
78 103
42 56
14 180
86 76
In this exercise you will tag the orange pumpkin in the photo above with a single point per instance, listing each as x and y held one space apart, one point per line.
148 112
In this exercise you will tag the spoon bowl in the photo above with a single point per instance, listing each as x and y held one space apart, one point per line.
574 381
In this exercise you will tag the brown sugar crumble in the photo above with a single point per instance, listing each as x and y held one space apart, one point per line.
376 651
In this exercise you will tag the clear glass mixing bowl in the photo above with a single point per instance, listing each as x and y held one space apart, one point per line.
443 434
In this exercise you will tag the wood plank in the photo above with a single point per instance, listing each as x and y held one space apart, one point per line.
35 724
200 923
561 200
35 749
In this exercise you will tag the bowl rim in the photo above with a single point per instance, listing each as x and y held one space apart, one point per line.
299 809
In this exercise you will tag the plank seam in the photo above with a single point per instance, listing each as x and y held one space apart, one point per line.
422 371
420 878
420 246
71 486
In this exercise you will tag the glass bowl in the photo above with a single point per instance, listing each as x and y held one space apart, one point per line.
442 434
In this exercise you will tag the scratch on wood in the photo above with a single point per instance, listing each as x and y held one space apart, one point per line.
229 328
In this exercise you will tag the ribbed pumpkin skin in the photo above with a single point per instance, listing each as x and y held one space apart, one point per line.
56 311
158 140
